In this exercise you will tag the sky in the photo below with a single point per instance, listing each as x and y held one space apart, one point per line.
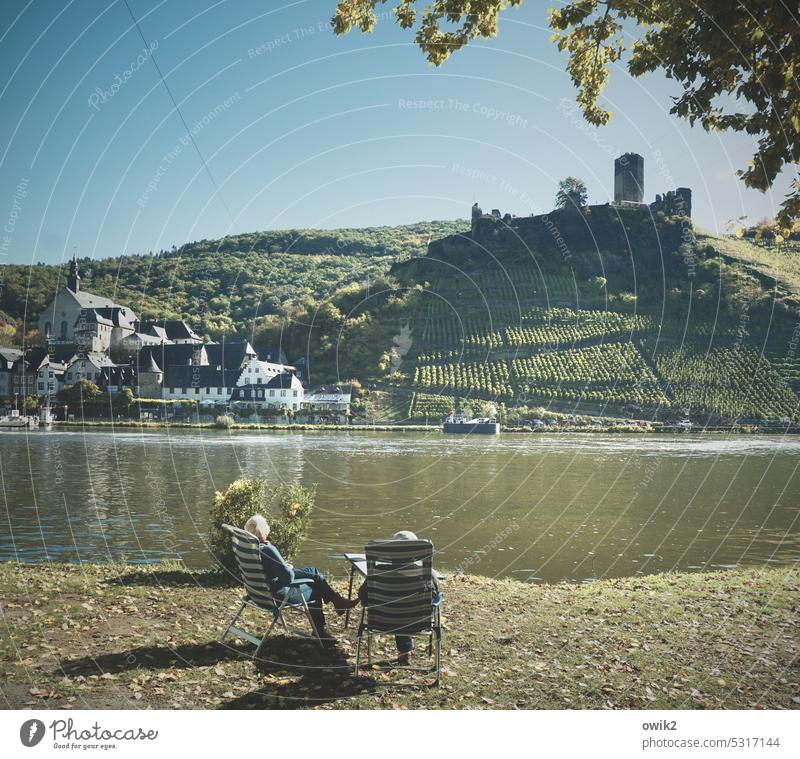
280 124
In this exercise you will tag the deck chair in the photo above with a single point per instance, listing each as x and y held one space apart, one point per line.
400 597
258 594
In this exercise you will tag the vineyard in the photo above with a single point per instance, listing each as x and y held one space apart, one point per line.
734 382
523 337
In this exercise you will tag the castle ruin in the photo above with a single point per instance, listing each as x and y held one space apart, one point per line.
628 194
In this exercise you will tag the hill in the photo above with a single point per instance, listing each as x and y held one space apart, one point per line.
606 312
224 286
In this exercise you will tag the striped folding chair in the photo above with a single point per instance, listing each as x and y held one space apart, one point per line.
258 594
400 596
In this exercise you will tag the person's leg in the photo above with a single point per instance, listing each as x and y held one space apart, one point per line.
296 594
404 647
320 587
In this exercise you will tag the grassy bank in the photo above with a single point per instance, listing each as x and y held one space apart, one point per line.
122 636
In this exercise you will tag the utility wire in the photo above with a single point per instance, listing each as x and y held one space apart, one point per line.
178 110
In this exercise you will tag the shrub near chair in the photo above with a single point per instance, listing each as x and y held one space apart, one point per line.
258 594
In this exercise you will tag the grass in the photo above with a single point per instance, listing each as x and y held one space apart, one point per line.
139 636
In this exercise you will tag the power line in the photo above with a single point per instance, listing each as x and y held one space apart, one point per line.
178 110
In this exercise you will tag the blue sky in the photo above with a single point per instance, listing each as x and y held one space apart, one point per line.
299 128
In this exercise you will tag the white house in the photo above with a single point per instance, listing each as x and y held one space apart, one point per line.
86 366
50 377
283 391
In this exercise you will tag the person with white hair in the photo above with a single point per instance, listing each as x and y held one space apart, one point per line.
404 643
280 575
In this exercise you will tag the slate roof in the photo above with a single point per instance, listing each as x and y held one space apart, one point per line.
231 356
198 376
173 329
93 316
9 357
170 354
284 381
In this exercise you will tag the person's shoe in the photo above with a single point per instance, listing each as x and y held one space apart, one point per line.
404 658
342 604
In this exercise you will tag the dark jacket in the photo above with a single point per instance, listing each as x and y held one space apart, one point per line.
279 573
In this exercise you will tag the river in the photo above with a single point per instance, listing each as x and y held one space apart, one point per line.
536 506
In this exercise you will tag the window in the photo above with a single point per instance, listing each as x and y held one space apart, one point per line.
47 328
258 381
41 386
183 391
271 393
197 391
294 393
172 391
219 391
208 391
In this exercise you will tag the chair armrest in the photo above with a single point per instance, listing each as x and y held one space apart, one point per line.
295 583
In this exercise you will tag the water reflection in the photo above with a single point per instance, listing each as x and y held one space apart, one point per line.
553 507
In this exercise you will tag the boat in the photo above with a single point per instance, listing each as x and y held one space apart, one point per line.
13 420
684 425
462 425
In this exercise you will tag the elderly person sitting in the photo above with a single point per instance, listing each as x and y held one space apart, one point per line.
280 575
404 643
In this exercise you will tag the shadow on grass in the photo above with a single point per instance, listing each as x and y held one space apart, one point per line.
152 657
299 674
177 578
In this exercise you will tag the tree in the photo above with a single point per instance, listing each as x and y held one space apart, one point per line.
736 61
83 392
571 193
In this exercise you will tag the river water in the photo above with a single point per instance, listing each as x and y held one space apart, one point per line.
554 507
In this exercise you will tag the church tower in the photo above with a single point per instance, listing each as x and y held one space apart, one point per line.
74 278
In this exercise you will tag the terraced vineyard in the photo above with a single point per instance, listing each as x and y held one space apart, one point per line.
612 373
734 381
504 336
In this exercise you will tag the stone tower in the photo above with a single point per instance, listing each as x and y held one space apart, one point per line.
629 178
74 278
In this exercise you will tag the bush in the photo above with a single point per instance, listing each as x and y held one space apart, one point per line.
287 509
224 421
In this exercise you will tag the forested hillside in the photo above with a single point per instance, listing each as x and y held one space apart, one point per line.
640 319
223 286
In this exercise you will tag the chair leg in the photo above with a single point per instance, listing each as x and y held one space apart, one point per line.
369 648
358 652
438 662
311 622
232 622
275 619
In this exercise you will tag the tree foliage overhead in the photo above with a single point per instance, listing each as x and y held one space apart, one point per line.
571 193
738 62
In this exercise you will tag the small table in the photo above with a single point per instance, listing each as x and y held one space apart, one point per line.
358 563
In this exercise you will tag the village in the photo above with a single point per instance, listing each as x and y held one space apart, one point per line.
163 363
